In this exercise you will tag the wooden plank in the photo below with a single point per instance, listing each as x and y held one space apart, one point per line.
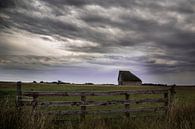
27 97
77 112
26 100
61 103
100 93
96 103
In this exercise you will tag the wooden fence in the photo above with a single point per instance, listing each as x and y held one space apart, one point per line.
31 98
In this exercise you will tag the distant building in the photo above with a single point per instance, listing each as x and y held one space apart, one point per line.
128 78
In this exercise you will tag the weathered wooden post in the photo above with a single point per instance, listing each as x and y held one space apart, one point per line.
18 95
166 104
172 94
34 105
83 107
34 102
126 105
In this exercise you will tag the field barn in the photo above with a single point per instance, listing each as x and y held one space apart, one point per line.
128 78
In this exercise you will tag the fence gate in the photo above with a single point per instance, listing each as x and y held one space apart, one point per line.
31 98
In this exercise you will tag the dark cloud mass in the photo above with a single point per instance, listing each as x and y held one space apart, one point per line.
7 3
155 39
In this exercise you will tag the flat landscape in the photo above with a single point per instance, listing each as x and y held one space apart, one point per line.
183 105
97 64
183 94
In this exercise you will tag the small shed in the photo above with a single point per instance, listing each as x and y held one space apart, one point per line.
128 78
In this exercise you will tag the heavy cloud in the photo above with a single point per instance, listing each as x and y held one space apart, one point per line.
149 37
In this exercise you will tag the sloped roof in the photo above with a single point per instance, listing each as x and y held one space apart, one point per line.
128 76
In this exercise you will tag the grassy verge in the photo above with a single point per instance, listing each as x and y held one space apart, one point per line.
181 116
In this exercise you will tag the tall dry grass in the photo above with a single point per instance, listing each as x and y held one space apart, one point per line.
12 118
180 116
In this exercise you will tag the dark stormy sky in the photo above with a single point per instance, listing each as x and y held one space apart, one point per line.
90 40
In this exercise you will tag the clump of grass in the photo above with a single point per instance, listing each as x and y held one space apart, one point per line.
12 118
181 116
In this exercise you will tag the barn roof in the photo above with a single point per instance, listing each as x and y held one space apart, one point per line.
128 76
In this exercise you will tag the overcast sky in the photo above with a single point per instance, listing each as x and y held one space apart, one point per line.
91 40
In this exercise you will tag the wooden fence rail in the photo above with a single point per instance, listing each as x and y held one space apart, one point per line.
30 98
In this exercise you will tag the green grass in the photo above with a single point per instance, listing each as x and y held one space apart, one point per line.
181 116
10 91
182 93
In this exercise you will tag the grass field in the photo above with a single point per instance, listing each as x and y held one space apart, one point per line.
181 116
186 94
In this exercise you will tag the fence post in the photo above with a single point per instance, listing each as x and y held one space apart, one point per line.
34 103
172 94
83 108
126 105
18 95
166 97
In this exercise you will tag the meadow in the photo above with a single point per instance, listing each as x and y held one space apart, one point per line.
181 114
